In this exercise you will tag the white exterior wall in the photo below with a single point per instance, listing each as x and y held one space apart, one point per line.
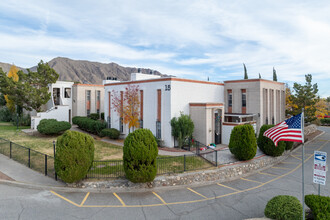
60 113
227 131
184 93
141 76
173 102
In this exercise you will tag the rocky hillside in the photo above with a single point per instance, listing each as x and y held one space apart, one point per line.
88 72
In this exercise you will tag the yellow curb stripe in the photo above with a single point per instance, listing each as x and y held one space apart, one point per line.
160 198
62 197
197 193
289 162
281 168
120 200
251 180
228 187
296 157
268 174
84 200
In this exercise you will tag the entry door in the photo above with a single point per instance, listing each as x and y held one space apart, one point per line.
217 128
56 96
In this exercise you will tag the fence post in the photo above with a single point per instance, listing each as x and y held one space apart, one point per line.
184 163
54 159
45 164
10 149
29 157
216 158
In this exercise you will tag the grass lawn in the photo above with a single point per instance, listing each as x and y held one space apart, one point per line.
44 144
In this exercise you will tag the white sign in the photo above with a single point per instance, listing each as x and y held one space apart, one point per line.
320 164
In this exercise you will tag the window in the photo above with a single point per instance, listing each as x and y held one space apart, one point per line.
243 99
67 93
88 102
98 97
230 99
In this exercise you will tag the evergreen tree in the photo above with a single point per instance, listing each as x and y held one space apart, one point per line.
245 72
259 76
305 96
274 75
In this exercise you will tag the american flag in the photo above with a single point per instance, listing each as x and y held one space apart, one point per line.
288 130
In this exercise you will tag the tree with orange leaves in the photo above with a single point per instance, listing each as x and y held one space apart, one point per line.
127 105
12 74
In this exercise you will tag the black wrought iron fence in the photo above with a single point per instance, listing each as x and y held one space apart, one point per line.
35 160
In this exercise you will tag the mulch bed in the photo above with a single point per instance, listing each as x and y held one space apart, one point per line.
5 177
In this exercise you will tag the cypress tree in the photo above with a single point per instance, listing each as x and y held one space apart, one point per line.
245 72
274 75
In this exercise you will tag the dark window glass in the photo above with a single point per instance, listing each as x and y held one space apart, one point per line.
67 93
243 99
230 99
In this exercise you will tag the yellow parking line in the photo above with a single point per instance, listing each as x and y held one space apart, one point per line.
296 157
228 187
160 198
62 197
268 174
84 200
120 200
282 168
251 180
197 193
289 162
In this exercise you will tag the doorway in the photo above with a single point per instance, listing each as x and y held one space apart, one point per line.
56 96
217 126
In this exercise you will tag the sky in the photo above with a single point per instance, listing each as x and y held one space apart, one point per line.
185 38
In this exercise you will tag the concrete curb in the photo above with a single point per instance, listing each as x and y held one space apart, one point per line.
127 189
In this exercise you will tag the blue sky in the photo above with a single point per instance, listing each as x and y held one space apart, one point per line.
186 38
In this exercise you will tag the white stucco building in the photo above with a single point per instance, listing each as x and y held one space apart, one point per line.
164 98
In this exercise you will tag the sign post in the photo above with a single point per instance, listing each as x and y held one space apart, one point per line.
320 168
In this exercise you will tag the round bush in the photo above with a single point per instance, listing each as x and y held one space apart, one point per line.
140 153
74 155
267 146
284 208
52 126
243 142
110 132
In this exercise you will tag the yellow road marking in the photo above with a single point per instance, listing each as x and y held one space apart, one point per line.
289 162
251 180
282 168
84 200
160 198
296 157
62 197
228 187
193 201
269 174
197 193
120 200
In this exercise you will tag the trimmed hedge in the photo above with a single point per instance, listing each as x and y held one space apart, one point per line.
52 126
110 132
140 153
74 155
89 125
284 207
267 146
243 142
94 116
289 145
320 206
325 121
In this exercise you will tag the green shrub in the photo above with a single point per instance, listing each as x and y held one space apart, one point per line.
284 207
288 145
52 126
140 153
182 128
320 206
102 115
5 114
94 116
74 155
325 121
243 142
89 125
267 146
110 132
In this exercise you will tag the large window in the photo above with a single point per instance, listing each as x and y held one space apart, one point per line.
88 102
98 98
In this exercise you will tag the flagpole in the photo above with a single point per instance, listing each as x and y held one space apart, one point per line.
303 161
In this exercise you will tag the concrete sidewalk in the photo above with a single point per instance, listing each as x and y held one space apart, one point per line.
22 174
